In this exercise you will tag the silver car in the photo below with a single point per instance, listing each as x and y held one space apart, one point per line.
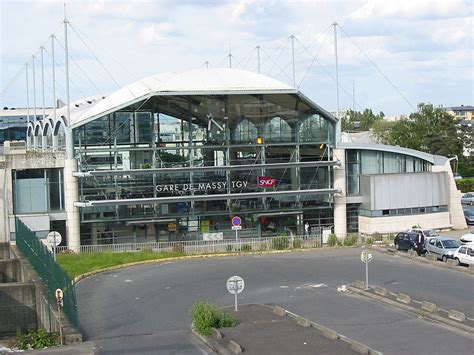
442 247
468 198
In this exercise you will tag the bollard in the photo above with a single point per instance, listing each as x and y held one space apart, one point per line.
428 306
456 315
401 297
382 291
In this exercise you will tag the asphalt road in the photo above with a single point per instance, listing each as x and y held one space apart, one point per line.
144 309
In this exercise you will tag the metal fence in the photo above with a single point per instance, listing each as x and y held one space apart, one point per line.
48 270
193 247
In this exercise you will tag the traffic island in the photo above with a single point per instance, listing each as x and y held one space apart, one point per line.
263 329
426 310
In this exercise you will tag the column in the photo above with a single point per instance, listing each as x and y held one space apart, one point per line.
71 194
340 217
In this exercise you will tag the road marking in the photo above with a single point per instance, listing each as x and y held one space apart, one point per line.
283 286
128 280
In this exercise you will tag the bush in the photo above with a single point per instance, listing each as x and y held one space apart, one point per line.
36 339
280 243
351 240
297 243
246 247
206 316
332 240
228 248
369 241
465 185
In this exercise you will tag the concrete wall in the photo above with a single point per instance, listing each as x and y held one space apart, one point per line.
18 307
405 190
4 251
394 224
456 213
10 271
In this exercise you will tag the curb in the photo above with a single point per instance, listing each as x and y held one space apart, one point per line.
326 332
432 315
430 259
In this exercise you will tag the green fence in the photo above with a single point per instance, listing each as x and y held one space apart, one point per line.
48 270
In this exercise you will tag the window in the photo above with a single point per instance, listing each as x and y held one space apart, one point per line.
438 244
462 250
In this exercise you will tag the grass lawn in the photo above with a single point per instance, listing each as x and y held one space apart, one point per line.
78 264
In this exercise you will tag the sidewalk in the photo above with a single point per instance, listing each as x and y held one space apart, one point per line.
260 331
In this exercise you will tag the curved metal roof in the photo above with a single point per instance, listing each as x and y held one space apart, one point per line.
191 82
392 149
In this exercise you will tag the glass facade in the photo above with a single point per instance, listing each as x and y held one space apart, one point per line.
167 150
369 162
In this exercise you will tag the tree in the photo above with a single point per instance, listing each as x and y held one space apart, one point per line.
365 120
430 130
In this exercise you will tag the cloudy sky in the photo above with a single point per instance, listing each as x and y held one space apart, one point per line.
424 48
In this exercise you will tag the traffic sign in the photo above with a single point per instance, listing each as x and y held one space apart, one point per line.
365 257
236 228
54 238
59 295
236 221
235 285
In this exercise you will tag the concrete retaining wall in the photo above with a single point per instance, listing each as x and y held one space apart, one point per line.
18 307
10 271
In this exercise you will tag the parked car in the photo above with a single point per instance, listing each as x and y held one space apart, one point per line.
442 247
468 198
465 254
469 216
467 238
428 233
405 241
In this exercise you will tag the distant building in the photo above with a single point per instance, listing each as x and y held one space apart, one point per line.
461 112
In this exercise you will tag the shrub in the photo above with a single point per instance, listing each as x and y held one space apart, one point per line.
465 185
228 248
369 241
36 339
332 240
206 316
351 240
246 247
297 243
280 243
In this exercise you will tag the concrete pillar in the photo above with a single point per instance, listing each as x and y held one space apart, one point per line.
456 214
44 142
4 220
340 217
55 142
71 195
94 233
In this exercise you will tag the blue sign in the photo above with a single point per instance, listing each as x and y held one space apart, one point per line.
236 221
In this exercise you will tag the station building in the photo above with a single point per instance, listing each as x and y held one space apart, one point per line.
175 156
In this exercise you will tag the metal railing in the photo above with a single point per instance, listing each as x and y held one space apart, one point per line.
227 245
48 270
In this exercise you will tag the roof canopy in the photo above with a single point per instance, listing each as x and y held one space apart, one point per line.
192 82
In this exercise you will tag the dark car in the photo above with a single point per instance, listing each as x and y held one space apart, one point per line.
469 216
405 241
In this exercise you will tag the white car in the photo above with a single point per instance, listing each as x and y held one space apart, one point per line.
468 198
465 254
467 238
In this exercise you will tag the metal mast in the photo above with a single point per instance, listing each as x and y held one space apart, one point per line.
54 77
34 88
258 58
338 125
69 141
293 58
42 80
27 103
230 56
